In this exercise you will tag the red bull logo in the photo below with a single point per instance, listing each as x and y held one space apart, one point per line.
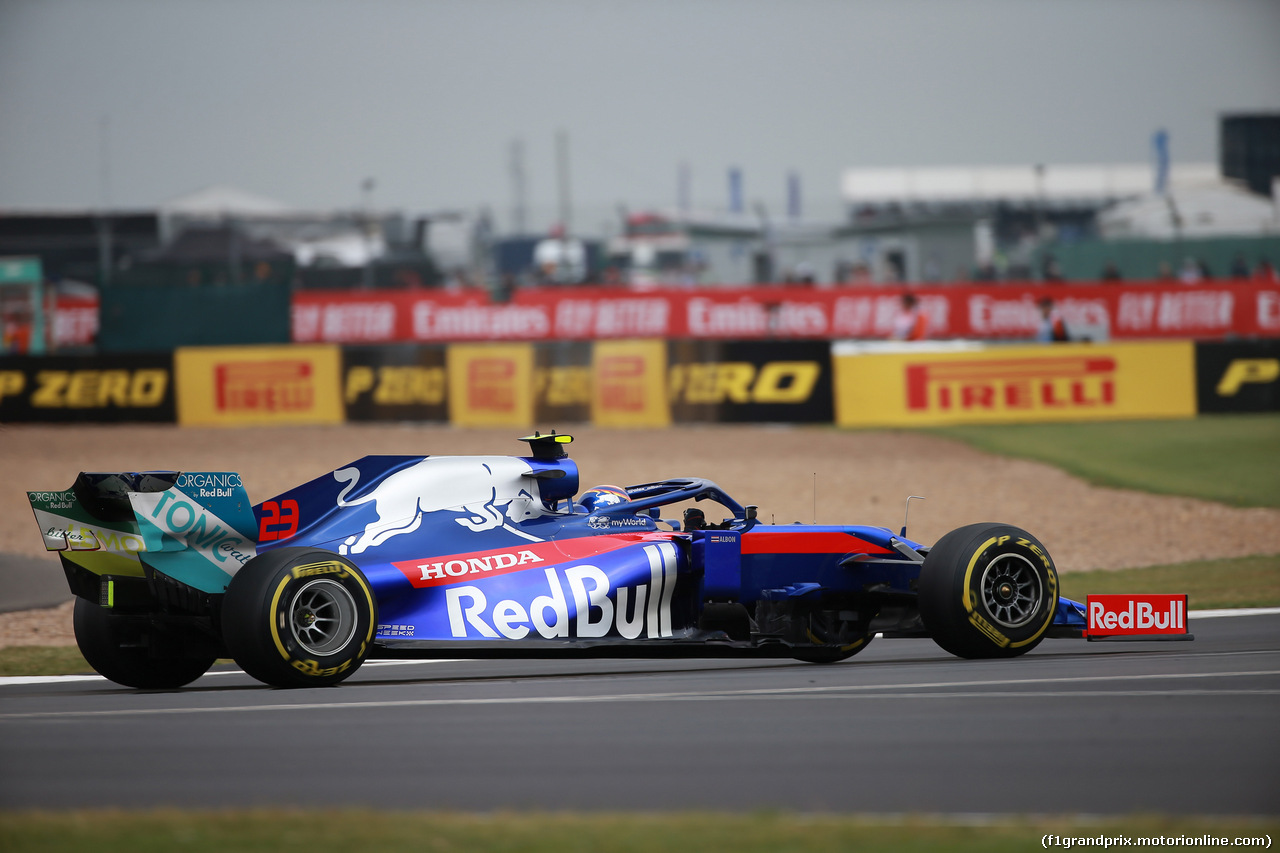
1128 615
590 608
1010 385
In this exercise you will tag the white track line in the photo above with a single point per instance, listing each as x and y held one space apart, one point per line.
857 691
1241 611
63 679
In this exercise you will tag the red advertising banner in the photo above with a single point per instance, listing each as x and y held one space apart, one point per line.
70 322
988 312
75 322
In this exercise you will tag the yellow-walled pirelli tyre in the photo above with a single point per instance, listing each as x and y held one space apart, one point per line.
299 617
988 591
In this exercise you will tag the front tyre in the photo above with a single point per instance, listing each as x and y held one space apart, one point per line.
299 617
127 651
988 591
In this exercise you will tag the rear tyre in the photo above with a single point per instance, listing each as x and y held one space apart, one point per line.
988 591
123 650
299 617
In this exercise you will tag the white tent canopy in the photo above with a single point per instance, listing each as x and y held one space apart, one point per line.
1215 209
1031 184
216 202
314 237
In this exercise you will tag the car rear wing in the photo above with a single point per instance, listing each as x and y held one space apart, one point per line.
197 527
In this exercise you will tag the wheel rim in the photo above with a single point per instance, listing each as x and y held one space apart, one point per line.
1011 590
322 616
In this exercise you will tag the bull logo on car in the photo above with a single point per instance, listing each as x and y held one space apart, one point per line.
487 493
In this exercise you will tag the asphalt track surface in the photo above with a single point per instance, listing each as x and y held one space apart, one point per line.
31 582
1073 727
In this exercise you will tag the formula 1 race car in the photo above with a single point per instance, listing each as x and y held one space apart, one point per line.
430 556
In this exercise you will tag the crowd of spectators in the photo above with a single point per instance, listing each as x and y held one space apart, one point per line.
1195 270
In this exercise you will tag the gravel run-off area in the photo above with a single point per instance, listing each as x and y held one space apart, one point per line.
792 473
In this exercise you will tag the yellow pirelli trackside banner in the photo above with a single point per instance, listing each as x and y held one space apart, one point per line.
928 386
490 385
628 384
254 386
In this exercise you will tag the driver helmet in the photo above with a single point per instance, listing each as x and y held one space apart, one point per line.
695 519
602 496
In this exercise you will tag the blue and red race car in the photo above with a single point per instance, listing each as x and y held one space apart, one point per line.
426 556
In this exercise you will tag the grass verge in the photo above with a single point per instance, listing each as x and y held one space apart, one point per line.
348 829
42 660
1232 459
1208 584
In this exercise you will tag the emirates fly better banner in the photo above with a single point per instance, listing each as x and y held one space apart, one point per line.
999 312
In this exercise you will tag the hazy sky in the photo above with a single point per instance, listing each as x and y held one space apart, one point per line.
134 102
